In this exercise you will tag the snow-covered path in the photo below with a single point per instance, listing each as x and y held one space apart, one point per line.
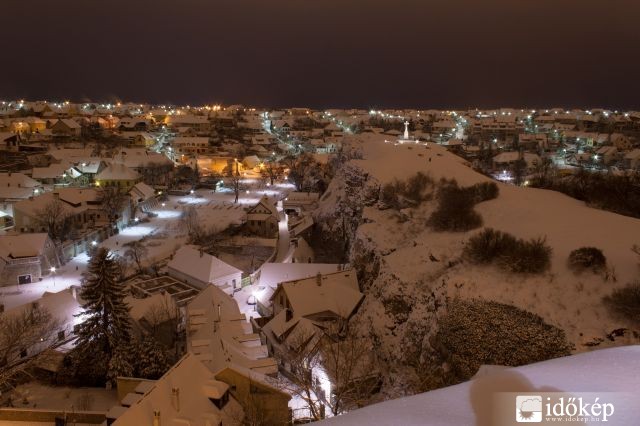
284 249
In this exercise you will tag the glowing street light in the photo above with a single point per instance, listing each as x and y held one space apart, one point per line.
53 271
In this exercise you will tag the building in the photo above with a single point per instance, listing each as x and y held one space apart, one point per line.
219 335
65 128
119 176
82 209
257 394
300 202
262 219
26 258
506 160
15 187
203 270
190 146
63 307
272 274
187 394
303 308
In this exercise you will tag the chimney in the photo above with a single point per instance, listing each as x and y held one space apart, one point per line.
319 279
175 398
156 418
56 195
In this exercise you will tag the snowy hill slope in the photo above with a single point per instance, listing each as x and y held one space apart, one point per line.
563 298
469 403
408 270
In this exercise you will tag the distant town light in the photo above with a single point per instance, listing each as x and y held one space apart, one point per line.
53 269
94 243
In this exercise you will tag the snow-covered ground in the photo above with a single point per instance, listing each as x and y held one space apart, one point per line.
604 374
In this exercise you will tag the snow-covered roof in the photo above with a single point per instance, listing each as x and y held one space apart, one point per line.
75 200
264 204
22 245
272 274
337 292
117 171
194 384
141 191
51 172
201 266
219 334
62 306
17 180
605 372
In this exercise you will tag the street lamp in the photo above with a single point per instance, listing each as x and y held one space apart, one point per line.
53 271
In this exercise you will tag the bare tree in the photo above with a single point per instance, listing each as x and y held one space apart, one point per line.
298 355
113 202
350 366
55 219
25 337
136 252
271 170
334 358
191 223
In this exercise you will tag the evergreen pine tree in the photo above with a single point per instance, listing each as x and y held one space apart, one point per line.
121 364
151 359
106 315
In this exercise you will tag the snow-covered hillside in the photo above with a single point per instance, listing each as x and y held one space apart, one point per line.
408 270
470 403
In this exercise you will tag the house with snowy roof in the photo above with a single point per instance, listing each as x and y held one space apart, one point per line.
8 140
202 270
190 145
260 396
119 176
272 274
62 306
262 219
25 258
303 308
15 187
64 127
140 159
187 394
300 201
219 335
508 159
143 196
82 206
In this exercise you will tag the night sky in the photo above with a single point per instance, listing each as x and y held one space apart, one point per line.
340 53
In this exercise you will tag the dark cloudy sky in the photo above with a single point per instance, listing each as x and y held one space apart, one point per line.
366 53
